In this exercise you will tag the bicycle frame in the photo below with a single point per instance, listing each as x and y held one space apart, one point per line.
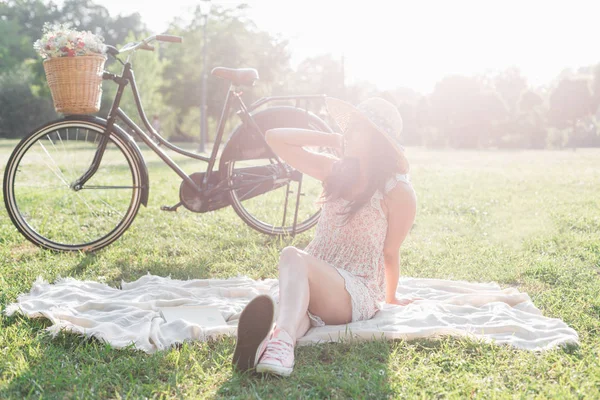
128 77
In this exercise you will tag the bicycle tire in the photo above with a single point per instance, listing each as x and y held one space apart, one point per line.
276 117
22 164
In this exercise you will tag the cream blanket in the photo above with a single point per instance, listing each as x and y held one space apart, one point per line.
129 315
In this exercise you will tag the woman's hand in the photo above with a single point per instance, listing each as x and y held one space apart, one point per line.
403 302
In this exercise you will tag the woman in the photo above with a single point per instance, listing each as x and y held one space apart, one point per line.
352 264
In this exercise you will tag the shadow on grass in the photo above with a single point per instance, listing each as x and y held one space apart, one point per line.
72 366
81 267
339 370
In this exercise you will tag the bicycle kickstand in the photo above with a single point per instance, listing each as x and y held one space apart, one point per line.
171 208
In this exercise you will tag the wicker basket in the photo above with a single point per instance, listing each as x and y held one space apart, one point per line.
75 83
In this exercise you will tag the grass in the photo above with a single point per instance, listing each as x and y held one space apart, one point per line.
527 219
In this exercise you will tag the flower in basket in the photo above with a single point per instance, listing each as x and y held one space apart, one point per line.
74 64
58 40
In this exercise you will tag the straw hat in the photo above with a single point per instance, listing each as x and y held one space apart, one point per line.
380 113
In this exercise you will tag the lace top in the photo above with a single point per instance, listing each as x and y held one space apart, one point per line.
356 246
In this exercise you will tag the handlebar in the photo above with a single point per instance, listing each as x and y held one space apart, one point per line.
146 47
169 38
145 44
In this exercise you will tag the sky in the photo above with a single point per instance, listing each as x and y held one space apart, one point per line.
413 44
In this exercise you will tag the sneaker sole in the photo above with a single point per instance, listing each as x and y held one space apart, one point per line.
254 326
272 369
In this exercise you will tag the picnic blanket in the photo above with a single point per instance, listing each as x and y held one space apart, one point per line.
129 315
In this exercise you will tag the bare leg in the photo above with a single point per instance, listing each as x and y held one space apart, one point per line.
305 282
303 327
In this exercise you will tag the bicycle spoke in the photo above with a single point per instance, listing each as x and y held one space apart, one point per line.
87 204
58 171
73 174
260 188
297 205
43 187
287 195
110 187
247 196
108 205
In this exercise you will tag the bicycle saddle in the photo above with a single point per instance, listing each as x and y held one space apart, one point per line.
239 77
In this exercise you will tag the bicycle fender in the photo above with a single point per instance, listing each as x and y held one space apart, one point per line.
117 130
243 143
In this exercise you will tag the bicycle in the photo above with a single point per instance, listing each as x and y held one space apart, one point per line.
77 183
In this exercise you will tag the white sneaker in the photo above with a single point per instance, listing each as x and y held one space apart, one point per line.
278 356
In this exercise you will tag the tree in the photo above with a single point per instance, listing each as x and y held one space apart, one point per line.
406 101
569 101
531 121
87 15
319 74
465 111
510 84
148 68
21 23
596 87
233 41
20 110
529 101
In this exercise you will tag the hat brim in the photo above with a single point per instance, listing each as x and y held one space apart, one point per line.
343 112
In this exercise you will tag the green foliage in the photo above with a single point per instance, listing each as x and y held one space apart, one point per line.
510 84
570 101
14 48
465 111
21 23
319 74
529 101
232 41
148 69
498 111
20 110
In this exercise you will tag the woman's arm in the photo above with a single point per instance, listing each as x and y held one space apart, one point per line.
288 143
401 205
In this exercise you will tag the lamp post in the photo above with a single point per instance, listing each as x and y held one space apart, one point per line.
205 6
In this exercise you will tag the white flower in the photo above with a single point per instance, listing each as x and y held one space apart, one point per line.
59 37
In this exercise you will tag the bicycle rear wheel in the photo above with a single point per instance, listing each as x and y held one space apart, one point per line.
43 202
269 201
270 197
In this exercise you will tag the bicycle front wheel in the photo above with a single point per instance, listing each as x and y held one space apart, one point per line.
45 204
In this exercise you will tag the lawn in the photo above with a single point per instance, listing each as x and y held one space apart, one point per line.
528 219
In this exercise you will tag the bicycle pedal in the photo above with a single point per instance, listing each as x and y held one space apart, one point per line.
170 208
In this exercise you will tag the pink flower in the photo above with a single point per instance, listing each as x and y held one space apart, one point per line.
60 41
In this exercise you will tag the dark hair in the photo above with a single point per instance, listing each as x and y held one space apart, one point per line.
382 166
